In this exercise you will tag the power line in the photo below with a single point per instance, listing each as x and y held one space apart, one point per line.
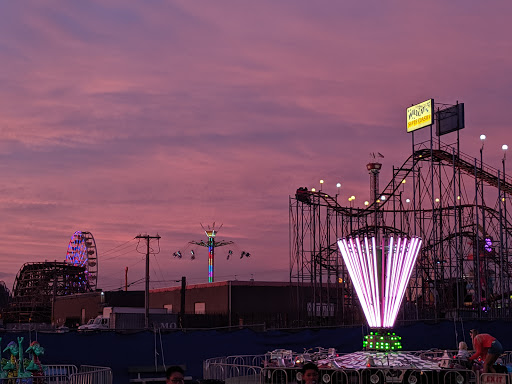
122 254
118 246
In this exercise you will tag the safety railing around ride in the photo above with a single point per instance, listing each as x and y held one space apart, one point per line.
257 375
65 374
91 374
252 369
235 369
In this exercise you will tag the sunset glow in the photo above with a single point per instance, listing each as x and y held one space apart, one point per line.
124 118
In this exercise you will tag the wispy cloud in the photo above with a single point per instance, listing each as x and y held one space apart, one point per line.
122 119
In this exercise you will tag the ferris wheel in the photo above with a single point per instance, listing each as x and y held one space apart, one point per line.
82 252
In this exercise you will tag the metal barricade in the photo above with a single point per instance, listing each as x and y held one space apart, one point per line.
280 376
234 369
66 374
90 374
506 357
239 370
346 376
457 376
231 373
250 360
381 375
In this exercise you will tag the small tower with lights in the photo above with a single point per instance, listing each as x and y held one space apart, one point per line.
374 168
211 244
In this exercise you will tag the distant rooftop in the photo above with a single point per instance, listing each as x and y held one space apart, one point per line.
236 283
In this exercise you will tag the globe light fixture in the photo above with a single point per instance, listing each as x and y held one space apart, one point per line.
338 186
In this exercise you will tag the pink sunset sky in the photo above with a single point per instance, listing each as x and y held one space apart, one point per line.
124 118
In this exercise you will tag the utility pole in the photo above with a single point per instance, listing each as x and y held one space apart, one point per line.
182 306
146 296
55 282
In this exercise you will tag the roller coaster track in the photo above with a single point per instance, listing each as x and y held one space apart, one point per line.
462 162
470 235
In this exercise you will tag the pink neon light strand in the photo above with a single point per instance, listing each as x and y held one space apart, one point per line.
397 253
351 256
407 253
361 274
357 259
380 308
370 284
412 255
389 262
364 269
347 252
377 281
374 279
400 252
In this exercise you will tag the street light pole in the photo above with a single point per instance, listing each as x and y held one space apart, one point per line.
351 199
505 148
483 259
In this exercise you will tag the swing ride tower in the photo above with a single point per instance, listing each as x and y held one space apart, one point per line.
211 244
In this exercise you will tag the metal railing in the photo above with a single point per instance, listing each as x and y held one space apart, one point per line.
236 374
228 370
66 374
90 374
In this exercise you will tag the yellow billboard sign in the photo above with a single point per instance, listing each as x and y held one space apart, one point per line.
420 115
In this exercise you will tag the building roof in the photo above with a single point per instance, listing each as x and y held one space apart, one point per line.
234 283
